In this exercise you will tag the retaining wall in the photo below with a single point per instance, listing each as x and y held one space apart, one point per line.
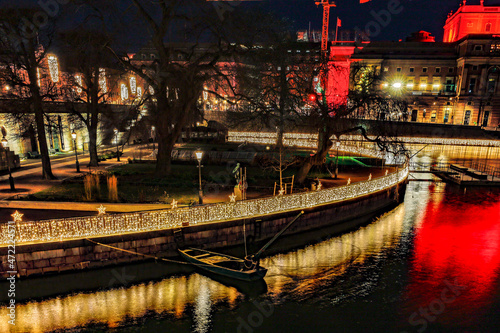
51 257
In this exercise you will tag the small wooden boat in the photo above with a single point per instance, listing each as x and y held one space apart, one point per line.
223 264
247 269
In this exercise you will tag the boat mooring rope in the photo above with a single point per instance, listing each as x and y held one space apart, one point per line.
139 254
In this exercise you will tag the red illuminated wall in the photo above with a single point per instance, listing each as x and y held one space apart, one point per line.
338 74
472 19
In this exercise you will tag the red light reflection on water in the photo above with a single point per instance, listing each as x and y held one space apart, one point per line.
456 242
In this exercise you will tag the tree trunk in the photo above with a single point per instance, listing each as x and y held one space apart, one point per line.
324 145
93 146
164 158
304 171
42 141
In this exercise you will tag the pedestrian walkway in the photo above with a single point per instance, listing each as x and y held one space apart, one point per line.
29 180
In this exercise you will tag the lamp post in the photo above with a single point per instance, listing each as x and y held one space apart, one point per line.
337 160
153 135
199 155
117 148
73 135
11 179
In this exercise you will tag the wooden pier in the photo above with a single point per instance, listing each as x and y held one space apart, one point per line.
466 176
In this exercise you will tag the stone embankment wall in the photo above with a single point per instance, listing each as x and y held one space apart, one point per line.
45 258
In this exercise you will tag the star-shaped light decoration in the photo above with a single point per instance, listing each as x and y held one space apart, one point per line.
386 172
319 186
349 181
174 204
232 197
281 192
101 210
370 177
17 216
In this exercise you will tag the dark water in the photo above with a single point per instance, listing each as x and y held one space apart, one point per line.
430 265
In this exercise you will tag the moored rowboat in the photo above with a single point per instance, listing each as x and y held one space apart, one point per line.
223 264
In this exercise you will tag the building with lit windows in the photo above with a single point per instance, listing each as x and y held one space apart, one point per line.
449 82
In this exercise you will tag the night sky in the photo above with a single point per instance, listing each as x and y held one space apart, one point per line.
428 15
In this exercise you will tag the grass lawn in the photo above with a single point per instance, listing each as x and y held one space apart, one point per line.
138 184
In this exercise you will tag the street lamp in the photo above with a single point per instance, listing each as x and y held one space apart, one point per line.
117 149
153 135
199 155
11 180
337 160
73 135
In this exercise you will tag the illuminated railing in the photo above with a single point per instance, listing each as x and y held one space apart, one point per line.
116 224
310 140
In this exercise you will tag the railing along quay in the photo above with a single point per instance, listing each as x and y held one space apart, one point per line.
31 232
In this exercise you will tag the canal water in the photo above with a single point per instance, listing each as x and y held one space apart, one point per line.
432 264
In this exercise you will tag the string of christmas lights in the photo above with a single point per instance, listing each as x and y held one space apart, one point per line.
116 224
310 140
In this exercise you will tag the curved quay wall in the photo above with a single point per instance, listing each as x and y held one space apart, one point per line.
61 245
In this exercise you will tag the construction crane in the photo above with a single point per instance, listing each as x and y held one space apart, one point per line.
326 22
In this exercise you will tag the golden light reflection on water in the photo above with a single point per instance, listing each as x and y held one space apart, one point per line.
302 270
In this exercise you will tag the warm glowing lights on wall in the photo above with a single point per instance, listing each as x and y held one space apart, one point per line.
102 80
205 94
305 140
124 91
397 85
78 80
133 85
53 68
151 90
139 92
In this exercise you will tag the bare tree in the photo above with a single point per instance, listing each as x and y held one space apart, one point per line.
332 116
87 90
189 40
21 60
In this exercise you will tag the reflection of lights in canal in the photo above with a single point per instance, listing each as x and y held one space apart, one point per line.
301 271
458 246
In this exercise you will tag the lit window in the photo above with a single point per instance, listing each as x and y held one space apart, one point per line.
53 68
102 80
124 92
133 85
423 83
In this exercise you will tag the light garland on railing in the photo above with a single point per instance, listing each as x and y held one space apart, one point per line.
102 80
305 140
117 224
53 68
